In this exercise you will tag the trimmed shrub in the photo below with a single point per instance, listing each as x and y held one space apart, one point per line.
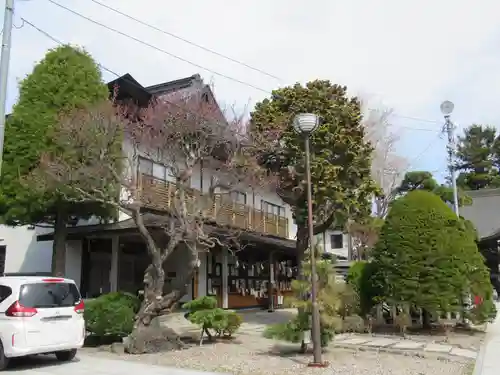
428 257
204 312
111 314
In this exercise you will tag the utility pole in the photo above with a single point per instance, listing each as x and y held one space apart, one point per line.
449 128
4 69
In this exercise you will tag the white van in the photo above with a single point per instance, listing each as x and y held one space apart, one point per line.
40 315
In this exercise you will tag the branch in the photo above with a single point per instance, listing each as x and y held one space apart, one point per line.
324 226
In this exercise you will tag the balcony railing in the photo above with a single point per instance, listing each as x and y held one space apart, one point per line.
158 195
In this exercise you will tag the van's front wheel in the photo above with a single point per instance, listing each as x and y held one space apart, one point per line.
4 361
66 355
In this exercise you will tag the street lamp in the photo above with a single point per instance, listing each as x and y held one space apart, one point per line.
305 124
446 109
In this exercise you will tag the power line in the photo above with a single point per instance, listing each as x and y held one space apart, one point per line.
423 152
186 40
159 49
49 36
45 33
418 119
118 75
193 63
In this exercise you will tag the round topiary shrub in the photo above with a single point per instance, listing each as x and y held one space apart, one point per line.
427 257
111 315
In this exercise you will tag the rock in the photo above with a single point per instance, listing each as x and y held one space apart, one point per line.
117 348
153 339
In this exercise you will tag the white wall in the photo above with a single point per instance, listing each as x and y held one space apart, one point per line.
74 260
324 239
23 252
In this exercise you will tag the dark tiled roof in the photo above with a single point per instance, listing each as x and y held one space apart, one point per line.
128 86
484 211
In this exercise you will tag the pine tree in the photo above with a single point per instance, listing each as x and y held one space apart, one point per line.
477 153
329 301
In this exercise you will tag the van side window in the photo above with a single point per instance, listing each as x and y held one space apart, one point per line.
5 292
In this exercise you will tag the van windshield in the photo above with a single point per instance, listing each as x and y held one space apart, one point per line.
46 295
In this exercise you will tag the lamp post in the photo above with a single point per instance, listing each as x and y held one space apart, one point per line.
446 109
305 124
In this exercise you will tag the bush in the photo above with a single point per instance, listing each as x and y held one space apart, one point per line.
482 313
427 257
353 323
329 299
361 278
293 331
204 312
111 314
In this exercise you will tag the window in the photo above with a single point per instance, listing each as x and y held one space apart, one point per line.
145 166
156 170
5 292
239 197
49 295
271 208
337 241
3 254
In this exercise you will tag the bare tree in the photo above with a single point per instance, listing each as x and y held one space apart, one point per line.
388 168
185 133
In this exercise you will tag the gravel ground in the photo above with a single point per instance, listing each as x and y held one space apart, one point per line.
258 356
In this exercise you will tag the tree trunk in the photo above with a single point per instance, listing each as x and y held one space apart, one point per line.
59 244
301 246
426 319
154 305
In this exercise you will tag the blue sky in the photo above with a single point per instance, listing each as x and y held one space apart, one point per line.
405 55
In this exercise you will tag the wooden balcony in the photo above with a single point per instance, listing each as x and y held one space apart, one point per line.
158 195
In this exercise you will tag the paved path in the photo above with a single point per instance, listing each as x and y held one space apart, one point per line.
86 365
398 344
488 361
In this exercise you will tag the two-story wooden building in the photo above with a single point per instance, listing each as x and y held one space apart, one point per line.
112 257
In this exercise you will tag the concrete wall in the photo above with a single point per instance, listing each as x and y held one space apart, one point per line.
325 240
23 252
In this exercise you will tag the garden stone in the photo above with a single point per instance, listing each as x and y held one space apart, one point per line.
117 348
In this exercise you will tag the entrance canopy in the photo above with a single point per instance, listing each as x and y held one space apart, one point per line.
256 243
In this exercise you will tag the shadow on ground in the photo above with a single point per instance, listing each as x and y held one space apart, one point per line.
30 363
263 317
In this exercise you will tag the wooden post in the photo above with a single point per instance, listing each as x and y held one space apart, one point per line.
169 195
270 288
225 275
195 284
113 275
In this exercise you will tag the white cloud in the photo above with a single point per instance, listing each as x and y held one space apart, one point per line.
410 54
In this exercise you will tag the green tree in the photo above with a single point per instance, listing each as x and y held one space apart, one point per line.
423 180
360 277
329 302
427 257
478 157
340 156
65 79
